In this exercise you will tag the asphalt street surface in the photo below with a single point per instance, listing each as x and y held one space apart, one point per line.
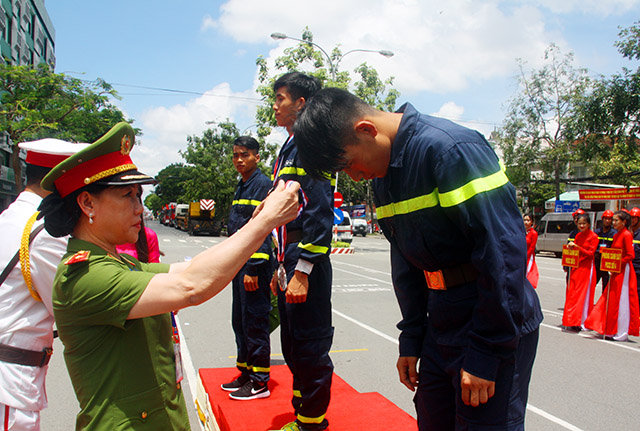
580 382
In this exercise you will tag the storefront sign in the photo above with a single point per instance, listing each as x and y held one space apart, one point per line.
607 194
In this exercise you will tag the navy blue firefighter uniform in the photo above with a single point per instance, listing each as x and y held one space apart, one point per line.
250 312
306 330
447 207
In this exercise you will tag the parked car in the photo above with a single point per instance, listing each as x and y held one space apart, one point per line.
359 226
343 231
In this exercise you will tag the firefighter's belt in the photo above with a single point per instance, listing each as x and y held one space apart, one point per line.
294 236
451 277
31 358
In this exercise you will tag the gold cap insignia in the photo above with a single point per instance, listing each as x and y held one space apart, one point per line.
125 145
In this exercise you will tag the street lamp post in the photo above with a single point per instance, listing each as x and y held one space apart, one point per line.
333 67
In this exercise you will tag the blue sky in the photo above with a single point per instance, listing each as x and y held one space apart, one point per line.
453 58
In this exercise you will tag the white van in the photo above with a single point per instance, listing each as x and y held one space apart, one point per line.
554 228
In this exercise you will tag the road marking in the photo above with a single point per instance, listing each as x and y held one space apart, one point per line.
360 267
166 240
536 410
552 418
592 336
363 276
365 326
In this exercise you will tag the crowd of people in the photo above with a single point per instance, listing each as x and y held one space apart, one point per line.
616 314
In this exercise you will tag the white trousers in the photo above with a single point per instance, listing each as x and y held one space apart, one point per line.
18 420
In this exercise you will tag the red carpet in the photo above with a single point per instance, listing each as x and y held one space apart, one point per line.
349 410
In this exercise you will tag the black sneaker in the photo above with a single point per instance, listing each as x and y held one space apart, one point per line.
239 382
251 391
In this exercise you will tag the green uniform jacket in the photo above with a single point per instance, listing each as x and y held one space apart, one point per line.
123 371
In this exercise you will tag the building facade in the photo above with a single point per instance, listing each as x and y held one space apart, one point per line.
27 38
27 35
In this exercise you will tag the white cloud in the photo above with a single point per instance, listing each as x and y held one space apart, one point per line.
208 23
600 7
166 128
439 46
452 111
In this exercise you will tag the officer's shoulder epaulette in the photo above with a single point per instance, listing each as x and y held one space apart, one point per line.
81 256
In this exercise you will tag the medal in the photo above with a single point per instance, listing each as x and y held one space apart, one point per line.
282 277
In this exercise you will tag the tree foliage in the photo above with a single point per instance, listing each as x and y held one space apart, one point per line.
610 118
539 131
308 58
37 103
208 171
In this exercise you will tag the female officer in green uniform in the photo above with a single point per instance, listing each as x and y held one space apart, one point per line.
112 311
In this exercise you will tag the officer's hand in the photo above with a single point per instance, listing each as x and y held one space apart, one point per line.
475 390
408 371
281 205
250 283
274 284
297 288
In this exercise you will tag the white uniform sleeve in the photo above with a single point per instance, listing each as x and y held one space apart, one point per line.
45 254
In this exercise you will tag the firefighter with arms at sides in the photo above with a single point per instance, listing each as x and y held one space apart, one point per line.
251 301
470 318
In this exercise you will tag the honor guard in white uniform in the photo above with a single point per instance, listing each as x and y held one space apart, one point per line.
28 260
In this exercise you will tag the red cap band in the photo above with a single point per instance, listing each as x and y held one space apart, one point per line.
93 170
45 160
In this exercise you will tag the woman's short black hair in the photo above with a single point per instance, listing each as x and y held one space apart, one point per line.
324 127
62 215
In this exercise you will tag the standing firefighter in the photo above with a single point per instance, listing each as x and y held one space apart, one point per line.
303 278
458 255
251 302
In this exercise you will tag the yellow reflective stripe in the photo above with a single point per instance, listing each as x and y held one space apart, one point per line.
308 420
447 199
292 170
635 241
314 248
472 188
261 369
241 364
410 205
245 202
297 393
264 256
333 182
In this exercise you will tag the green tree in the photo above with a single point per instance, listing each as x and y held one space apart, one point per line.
37 103
153 202
610 118
539 130
307 58
211 171
170 183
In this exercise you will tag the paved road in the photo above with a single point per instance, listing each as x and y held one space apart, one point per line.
579 382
